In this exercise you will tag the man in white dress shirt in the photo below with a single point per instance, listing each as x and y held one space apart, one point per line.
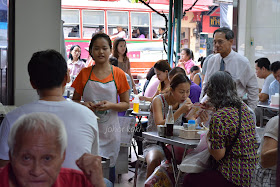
238 66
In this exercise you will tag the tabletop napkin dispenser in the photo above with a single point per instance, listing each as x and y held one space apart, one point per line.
189 134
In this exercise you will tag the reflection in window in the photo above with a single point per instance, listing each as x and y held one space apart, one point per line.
158 24
117 24
71 26
93 22
140 25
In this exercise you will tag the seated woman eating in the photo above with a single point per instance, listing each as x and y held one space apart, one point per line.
231 143
177 96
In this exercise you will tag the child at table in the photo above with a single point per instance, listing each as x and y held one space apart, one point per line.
99 86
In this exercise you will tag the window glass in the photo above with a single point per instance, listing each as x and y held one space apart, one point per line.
93 22
140 25
158 24
71 25
118 24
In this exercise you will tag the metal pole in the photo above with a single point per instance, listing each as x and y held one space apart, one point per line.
170 28
178 30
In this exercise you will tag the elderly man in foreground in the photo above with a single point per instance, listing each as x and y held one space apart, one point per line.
37 144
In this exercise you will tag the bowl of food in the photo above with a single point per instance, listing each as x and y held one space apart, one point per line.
144 105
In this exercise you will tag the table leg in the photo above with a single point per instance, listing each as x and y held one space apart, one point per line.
174 163
179 172
261 117
138 132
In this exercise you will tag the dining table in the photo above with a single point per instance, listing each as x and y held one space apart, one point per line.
173 141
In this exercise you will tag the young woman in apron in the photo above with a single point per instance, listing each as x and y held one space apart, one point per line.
99 86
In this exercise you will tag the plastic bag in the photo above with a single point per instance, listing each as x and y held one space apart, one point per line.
197 160
162 176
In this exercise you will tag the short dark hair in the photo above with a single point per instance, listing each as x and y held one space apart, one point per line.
150 73
194 68
221 90
201 60
95 37
47 69
263 62
228 32
178 79
275 66
114 61
71 49
175 71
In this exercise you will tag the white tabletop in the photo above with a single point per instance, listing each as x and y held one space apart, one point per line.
174 140
140 113
268 107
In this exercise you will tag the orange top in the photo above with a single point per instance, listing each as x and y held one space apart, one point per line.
119 76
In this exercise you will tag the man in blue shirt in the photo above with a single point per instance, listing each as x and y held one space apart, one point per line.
274 86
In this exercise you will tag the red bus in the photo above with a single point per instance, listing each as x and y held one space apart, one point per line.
82 19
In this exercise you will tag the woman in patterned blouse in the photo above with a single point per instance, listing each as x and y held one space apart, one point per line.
234 165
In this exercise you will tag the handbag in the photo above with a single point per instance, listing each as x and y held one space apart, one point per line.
213 164
197 160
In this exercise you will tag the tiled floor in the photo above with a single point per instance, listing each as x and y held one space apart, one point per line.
123 180
125 177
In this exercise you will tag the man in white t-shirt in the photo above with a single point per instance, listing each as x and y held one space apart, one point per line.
234 63
48 75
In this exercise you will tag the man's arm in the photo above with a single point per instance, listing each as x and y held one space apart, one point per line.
92 169
252 91
263 97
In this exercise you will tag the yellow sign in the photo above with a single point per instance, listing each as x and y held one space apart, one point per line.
214 21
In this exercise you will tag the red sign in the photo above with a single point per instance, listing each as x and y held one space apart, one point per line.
208 25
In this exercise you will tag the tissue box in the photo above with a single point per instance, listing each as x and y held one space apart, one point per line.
189 134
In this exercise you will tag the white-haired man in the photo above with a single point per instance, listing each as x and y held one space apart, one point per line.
48 75
37 143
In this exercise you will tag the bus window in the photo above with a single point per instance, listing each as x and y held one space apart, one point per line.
71 26
93 22
158 24
117 24
140 25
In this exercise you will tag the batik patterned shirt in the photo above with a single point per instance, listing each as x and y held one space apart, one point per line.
238 165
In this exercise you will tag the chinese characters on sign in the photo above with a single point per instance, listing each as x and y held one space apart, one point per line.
214 21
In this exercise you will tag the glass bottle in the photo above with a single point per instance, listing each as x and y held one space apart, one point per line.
169 122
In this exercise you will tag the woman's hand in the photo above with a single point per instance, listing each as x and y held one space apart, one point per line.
181 64
187 106
204 116
90 105
135 90
142 98
104 105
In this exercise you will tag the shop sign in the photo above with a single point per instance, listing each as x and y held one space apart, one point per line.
214 21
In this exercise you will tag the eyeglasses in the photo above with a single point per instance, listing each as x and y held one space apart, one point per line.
219 42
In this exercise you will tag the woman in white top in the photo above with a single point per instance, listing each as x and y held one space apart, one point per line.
75 64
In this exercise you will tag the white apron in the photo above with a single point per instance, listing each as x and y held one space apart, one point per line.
108 124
